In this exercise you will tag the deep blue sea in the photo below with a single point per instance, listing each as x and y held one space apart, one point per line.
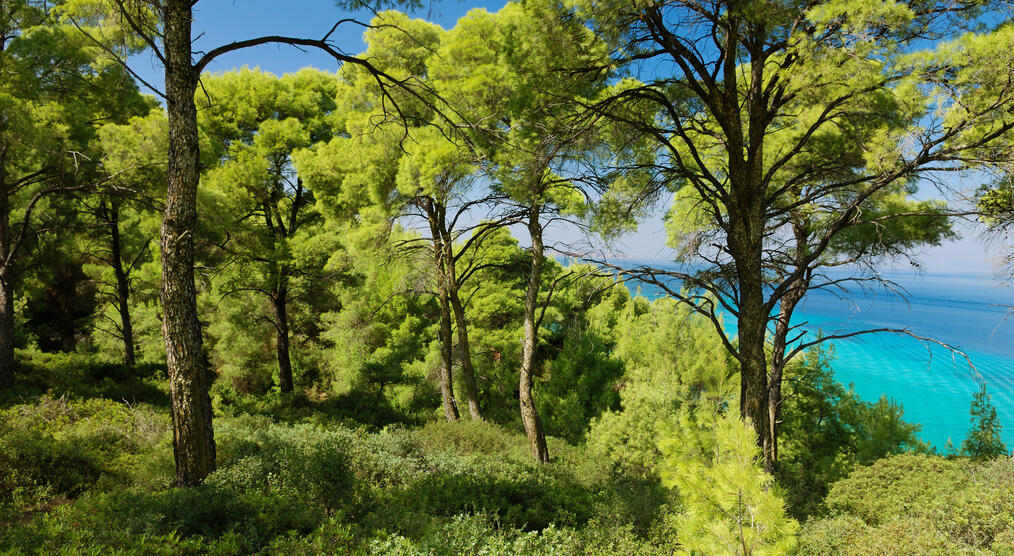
934 386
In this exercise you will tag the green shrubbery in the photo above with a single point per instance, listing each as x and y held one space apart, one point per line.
671 469
92 475
918 504
86 376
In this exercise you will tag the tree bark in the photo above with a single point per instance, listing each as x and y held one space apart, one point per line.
753 401
189 376
746 229
465 356
434 216
279 294
787 306
529 414
779 339
464 348
6 283
7 364
279 301
122 284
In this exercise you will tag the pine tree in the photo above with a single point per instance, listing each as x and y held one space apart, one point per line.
983 440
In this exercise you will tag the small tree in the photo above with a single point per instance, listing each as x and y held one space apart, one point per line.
729 503
983 441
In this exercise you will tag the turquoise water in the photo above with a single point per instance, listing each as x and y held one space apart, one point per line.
934 386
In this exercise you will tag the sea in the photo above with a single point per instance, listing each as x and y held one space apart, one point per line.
933 384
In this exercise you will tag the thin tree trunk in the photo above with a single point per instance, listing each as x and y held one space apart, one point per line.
7 364
434 215
465 355
529 414
779 339
189 376
464 349
279 301
6 280
6 283
122 285
280 290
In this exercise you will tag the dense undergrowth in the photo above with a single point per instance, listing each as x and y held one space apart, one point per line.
86 467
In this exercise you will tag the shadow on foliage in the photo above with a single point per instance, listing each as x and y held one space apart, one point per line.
83 377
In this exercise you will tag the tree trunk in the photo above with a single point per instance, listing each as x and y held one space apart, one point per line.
464 349
786 307
6 329
529 415
279 301
122 285
779 339
753 401
6 284
746 247
435 215
189 376
465 355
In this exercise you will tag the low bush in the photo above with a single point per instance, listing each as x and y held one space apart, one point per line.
918 504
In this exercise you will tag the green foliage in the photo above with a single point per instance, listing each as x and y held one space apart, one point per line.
827 430
983 440
730 504
918 504
670 358
56 448
86 376
306 488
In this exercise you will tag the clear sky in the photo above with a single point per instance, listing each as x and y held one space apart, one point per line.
219 22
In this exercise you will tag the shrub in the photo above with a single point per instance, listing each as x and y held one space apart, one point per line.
918 504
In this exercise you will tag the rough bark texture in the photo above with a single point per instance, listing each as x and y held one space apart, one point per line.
435 216
193 436
753 361
746 230
529 415
122 284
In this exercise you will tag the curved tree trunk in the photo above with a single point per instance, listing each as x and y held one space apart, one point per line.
122 285
465 356
189 376
458 308
779 340
529 415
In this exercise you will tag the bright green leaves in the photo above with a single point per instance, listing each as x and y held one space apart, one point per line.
671 359
433 165
730 505
134 152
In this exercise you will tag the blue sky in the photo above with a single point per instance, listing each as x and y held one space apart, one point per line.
218 22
